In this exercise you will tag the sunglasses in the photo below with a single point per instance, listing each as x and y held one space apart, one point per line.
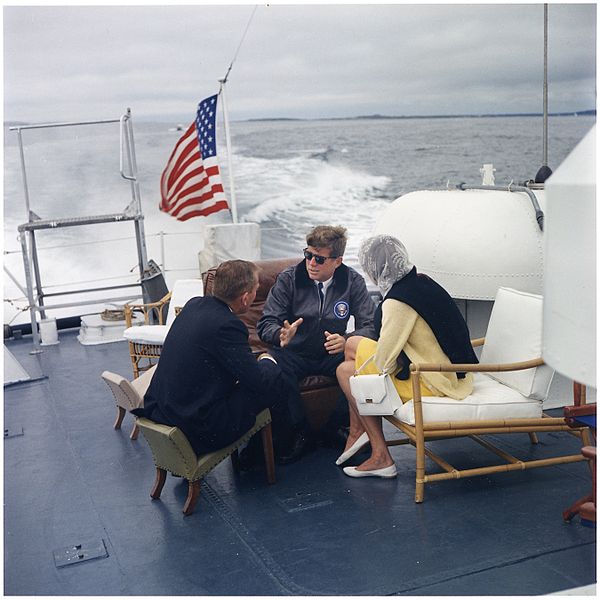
308 255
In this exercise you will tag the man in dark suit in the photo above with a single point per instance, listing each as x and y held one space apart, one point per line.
207 381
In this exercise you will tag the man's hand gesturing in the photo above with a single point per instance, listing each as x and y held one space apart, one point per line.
288 331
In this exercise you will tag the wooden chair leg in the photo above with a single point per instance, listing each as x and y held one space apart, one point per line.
134 432
575 508
420 466
586 506
266 434
120 416
134 361
587 512
533 437
193 493
586 439
159 482
579 393
420 436
419 488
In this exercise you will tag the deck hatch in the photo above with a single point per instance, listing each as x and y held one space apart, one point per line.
14 431
71 555
304 501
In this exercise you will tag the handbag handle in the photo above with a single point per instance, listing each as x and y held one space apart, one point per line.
357 371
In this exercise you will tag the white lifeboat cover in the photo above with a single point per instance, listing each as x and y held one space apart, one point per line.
471 242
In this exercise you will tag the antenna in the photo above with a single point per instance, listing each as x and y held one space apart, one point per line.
222 83
545 171
545 144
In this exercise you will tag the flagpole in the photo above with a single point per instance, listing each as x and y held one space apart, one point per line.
229 161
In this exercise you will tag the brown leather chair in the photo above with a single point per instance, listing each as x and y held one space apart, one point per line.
319 394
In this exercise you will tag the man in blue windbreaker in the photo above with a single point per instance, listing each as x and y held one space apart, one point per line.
305 318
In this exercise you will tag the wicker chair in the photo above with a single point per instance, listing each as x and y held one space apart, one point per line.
507 396
145 341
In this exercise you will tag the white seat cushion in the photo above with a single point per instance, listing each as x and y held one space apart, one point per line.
183 290
489 400
514 334
146 334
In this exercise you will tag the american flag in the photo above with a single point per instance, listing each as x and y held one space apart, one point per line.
190 185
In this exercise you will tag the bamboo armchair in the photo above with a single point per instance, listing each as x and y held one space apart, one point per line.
146 341
498 404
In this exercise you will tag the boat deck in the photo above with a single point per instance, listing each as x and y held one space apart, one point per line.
71 479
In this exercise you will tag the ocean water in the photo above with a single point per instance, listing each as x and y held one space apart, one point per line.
289 176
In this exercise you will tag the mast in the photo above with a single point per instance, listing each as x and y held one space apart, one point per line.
228 143
545 142
226 120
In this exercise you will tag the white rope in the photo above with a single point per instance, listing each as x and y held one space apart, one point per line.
104 241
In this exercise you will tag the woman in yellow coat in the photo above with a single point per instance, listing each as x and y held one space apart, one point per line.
417 321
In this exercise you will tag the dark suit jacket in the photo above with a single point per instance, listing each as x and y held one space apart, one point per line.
208 383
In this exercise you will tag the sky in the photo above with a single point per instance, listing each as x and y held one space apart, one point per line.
296 61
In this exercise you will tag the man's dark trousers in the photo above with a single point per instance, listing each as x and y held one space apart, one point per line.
296 367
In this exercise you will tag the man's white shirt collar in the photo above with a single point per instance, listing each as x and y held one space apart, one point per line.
326 284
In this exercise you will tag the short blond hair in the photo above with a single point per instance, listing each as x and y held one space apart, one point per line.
233 278
328 236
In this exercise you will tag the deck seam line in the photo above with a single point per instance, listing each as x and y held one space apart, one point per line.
500 565
261 555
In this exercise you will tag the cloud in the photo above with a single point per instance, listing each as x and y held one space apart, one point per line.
297 61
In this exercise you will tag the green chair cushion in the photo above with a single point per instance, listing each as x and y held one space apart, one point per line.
172 451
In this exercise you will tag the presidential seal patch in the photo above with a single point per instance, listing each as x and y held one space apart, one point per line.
341 309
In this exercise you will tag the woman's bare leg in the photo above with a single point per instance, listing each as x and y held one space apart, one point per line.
344 372
380 456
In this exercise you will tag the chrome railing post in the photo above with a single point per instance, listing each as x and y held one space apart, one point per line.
127 137
32 308
36 274
24 175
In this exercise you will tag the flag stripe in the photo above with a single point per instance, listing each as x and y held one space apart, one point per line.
201 199
189 154
196 196
205 206
174 158
183 180
195 181
190 184
204 213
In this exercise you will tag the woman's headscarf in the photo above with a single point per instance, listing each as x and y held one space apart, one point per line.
385 260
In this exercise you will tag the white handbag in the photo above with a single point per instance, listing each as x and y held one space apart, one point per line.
375 394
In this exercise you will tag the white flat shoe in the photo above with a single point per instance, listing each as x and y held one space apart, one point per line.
385 472
358 445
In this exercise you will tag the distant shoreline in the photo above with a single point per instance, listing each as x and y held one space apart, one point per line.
374 117
582 113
